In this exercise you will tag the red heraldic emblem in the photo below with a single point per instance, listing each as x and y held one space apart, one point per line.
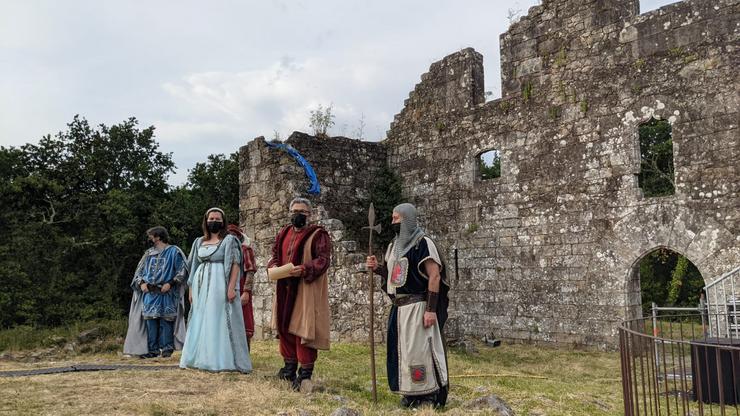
396 274
418 373
400 270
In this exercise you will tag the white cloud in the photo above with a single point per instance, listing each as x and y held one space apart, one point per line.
212 77
281 95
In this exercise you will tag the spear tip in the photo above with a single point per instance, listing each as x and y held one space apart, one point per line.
371 215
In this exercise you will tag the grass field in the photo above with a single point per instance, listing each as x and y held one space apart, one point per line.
532 380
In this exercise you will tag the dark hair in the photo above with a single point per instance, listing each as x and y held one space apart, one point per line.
159 232
204 226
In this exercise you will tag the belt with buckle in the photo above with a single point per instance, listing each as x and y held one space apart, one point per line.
408 299
153 288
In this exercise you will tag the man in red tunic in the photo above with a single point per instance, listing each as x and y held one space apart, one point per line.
301 304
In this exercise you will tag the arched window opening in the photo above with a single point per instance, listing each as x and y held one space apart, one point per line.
656 176
489 165
668 279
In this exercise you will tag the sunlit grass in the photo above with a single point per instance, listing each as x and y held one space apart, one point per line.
532 380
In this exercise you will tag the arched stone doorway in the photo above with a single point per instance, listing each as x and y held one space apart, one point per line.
666 277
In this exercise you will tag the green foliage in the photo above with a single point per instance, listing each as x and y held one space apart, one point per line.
656 159
80 202
26 337
553 112
527 91
471 228
214 183
584 106
669 279
385 195
504 106
76 207
321 120
677 280
560 57
489 169
675 52
689 58
562 91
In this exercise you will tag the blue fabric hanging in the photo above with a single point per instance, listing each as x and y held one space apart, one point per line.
315 189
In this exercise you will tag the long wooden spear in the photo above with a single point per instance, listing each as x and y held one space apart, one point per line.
372 227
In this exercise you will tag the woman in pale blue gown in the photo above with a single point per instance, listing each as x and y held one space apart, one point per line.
215 340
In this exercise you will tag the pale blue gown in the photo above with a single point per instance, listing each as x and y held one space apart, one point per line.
215 340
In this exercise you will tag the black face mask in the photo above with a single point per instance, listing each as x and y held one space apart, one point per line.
149 242
298 220
396 228
214 226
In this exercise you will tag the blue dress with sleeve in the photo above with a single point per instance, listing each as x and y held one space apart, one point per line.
215 340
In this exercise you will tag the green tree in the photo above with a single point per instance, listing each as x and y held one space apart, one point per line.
75 210
214 183
77 207
385 195
656 176
489 165
321 120
669 279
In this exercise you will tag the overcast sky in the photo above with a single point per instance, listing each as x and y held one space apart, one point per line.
213 75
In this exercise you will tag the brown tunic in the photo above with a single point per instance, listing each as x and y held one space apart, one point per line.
312 315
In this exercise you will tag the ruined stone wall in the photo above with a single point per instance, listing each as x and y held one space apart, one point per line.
270 179
546 251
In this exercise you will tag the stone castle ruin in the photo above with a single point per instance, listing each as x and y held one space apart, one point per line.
546 251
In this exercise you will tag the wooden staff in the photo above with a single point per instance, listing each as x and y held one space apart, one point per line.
372 227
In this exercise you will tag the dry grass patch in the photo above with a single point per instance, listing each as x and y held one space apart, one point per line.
533 380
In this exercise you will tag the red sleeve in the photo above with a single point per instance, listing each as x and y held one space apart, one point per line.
321 254
275 250
248 254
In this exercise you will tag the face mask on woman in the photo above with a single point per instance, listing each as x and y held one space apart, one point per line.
214 226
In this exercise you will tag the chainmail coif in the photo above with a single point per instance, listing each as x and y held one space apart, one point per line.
410 230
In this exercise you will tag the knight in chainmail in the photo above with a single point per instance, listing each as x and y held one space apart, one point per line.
414 279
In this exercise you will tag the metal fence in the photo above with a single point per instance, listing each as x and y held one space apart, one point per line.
678 362
723 304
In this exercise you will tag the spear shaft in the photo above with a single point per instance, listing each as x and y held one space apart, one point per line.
372 227
372 321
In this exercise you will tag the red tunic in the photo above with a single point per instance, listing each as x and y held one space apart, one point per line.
283 252
247 309
248 266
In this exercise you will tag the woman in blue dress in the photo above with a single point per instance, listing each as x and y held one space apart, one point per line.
215 340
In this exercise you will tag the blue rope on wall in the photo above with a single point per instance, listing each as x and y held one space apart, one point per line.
315 189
